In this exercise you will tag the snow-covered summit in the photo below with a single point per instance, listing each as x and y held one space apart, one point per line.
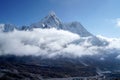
51 20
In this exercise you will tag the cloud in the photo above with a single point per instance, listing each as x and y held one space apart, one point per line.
114 43
36 42
52 42
118 22
115 22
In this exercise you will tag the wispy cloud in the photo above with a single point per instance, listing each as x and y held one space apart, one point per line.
114 22
118 22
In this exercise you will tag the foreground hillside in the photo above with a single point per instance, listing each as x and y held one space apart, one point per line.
17 68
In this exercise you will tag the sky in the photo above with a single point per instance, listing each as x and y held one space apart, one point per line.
100 17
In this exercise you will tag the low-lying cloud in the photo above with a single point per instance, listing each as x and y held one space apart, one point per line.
36 42
53 42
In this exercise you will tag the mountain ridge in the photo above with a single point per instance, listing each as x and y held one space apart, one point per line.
49 21
52 21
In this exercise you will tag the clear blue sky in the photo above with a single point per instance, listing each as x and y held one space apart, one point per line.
98 16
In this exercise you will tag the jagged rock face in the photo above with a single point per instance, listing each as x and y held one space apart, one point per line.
7 27
24 28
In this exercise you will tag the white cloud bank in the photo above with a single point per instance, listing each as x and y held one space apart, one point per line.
36 42
52 42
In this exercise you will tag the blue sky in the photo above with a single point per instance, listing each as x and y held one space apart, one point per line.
97 16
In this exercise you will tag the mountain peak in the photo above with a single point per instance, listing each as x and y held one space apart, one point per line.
52 13
51 20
